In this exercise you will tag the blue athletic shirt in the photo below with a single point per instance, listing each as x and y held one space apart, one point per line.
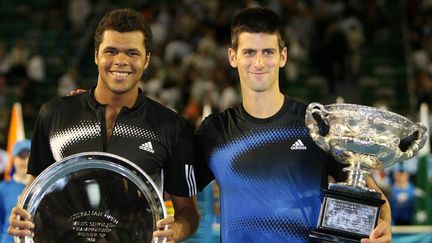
9 193
270 173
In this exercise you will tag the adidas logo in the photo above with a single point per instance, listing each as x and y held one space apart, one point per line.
147 147
298 145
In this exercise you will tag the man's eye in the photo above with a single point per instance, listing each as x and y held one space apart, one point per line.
249 52
268 52
132 53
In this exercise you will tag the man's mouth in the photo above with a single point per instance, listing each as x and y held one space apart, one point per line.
258 73
118 74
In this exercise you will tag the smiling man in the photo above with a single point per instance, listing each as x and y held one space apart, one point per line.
270 172
115 117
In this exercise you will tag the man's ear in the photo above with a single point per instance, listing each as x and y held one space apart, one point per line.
232 57
284 56
95 56
147 60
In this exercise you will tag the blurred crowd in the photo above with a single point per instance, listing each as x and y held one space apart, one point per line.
189 70
419 22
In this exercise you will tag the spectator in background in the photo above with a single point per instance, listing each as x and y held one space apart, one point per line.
4 158
67 82
4 92
202 60
176 49
4 59
161 25
382 180
27 98
12 189
354 35
402 200
6 96
299 31
422 86
78 12
36 68
19 56
333 52
229 97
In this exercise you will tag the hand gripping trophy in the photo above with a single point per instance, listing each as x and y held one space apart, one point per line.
364 138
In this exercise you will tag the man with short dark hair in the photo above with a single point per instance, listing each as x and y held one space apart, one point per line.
115 117
269 171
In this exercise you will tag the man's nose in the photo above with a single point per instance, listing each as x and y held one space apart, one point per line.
259 61
120 59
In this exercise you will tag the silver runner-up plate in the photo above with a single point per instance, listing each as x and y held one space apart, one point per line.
93 197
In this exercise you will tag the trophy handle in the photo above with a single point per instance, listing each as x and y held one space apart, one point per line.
416 144
312 124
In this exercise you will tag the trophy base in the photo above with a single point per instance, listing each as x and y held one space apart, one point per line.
320 237
347 214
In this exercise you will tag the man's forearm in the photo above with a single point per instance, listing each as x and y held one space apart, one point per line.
385 210
185 227
186 219
385 214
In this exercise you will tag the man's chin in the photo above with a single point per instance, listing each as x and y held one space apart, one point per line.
120 92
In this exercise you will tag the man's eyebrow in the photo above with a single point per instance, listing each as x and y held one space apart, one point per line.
120 49
254 49
109 48
133 49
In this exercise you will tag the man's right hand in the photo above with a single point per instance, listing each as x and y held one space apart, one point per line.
20 222
77 91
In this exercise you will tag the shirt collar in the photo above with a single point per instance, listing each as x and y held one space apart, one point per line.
94 104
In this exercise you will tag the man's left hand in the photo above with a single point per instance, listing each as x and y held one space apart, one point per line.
166 229
381 234
77 91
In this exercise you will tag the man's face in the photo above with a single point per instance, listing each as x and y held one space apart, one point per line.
121 61
20 162
258 60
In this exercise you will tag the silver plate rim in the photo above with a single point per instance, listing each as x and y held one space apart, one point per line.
41 179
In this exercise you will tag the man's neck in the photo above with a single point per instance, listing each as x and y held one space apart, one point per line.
261 105
116 101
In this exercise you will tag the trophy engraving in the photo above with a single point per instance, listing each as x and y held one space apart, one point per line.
92 225
365 139
338 215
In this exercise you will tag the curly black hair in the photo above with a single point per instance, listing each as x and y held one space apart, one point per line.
124 20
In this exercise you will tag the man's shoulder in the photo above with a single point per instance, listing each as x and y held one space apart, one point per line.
222 117
2 184
5 184
156 106
64 104
296 107
161 113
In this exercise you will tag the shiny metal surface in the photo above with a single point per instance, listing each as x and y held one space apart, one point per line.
365 138
93 197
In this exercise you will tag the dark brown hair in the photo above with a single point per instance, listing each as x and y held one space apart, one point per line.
257 20
124 20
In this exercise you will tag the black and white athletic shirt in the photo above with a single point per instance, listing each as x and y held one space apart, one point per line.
152 136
